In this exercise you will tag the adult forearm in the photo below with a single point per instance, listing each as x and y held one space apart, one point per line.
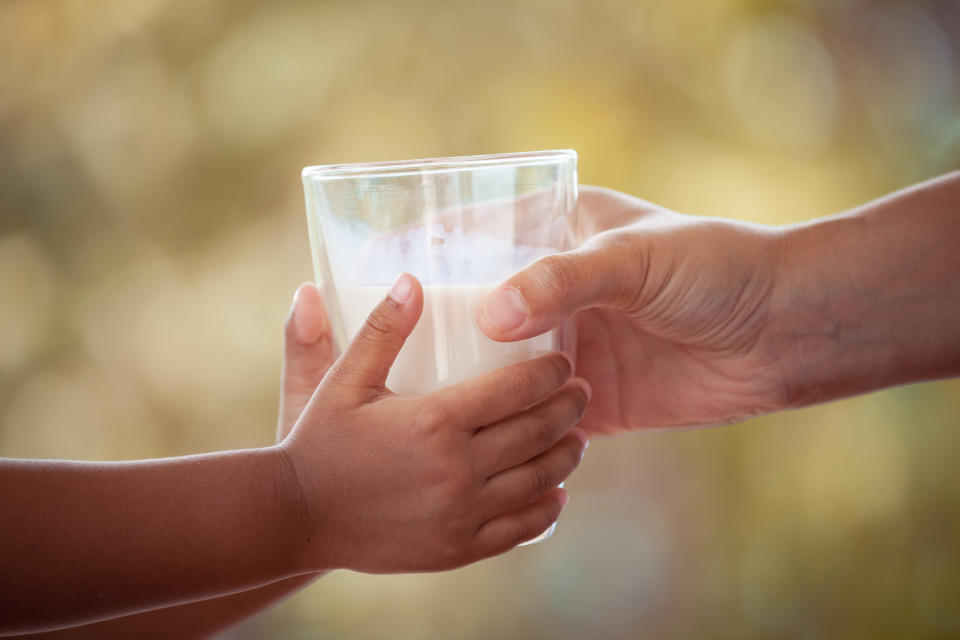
201 619
871 298
87 541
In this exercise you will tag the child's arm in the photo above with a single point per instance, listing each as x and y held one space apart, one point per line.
200 619
85 541
307 355
367 481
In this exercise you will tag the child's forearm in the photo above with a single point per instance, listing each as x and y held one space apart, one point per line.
201 619
82 542
366 480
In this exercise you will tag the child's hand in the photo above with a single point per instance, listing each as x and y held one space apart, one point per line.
393 483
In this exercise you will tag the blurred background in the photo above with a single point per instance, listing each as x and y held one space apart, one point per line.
152 235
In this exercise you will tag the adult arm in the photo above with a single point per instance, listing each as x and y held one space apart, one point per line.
871 298
685 321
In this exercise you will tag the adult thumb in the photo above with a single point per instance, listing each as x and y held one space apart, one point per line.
542 295
367 360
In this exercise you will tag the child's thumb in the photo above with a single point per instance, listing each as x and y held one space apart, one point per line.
368 359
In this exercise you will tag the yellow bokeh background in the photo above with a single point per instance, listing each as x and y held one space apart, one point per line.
152 234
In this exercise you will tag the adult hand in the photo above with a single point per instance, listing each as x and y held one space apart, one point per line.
308 353
695 321
671 312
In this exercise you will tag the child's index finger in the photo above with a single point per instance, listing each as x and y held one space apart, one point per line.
492 396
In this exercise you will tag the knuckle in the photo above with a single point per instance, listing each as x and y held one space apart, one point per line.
456 540
540 481
432 416
559 273
377 328
450 553
521 383
541 432
341 370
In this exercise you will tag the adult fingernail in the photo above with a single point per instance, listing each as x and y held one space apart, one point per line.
400 291
303 332
505 309
296 297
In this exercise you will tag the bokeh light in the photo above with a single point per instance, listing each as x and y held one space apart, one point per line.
152 234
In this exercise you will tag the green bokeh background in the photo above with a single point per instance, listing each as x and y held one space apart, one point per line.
152 234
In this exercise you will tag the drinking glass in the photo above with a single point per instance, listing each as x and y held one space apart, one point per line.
461 225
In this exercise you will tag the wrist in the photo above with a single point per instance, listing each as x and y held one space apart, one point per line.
298 512
791 334
826 313
312 513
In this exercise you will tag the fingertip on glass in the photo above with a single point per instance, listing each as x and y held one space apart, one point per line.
401 289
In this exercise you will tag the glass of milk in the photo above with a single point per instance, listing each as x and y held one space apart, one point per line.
461 225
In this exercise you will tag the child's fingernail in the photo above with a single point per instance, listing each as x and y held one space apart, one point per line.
584 440
569 359
505 309
401 289
587 389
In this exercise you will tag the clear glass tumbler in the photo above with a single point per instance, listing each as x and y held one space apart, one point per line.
461 225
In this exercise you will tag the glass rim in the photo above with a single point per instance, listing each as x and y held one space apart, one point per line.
399 168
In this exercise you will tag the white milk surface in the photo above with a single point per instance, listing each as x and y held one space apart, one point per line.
446 346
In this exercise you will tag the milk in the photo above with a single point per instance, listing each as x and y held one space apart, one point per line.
446 346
